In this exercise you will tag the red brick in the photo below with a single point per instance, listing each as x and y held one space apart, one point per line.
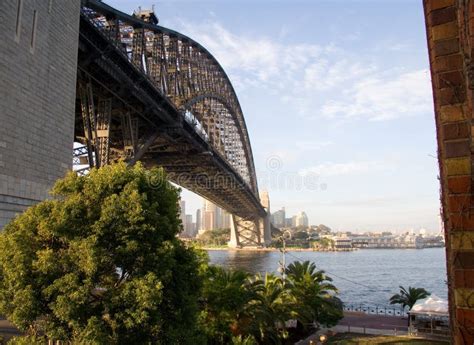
450 96
432 5
461 339
442 16
463 278
449 79
448 63
459 203
463 221
446 47
456 130
459 184
465 337
457 148
463 260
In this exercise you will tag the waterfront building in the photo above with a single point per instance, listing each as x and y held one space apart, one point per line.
342 242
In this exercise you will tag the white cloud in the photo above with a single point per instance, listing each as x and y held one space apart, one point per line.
315 80
383 98
323 74
254 59
348 168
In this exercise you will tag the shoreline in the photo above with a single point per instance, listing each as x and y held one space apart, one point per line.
272 249
289 249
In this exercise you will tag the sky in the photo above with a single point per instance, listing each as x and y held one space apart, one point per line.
337 100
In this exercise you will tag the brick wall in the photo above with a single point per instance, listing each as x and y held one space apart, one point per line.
448 24
38 56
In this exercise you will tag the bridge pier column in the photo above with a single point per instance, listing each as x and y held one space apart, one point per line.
247 232
265 230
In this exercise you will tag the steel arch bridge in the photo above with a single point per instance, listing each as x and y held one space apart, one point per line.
147 93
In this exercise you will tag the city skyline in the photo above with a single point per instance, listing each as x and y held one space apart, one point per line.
348 103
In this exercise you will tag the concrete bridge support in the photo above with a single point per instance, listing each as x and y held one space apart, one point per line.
249 232
38 67
252 232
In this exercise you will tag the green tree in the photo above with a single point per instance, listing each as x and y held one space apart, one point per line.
409 297
215 237
313 295
100 262
268 309
300 235
224 296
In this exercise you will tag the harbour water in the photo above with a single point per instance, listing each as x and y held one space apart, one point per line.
368 276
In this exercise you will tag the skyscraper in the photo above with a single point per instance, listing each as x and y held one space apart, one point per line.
182 213
301 220
208 216
198 219
189 228
279 218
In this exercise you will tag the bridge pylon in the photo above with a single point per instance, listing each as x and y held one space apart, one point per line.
252 231
249 232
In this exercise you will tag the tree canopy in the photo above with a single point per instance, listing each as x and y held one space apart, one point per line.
236 304
100 262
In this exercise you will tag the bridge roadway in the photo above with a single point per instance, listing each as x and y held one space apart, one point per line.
146 93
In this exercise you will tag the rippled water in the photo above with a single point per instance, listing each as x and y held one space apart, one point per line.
380 271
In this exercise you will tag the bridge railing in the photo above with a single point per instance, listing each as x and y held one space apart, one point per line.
373 309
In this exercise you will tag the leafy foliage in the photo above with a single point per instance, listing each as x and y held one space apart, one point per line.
314 295
215 237
409 297
100 262
238 305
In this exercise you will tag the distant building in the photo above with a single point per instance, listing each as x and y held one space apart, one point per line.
208 217
225 219
342 242
278 218
301 220
198 220
189 229
294 221
182 213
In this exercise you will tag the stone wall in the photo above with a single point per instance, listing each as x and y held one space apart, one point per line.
38 67
450 25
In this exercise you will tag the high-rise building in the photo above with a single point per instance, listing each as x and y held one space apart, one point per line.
190 226
208 216
294 221
218 224
225 219
278 218
182 213
198 220
301 220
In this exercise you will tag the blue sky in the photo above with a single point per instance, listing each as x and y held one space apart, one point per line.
337 98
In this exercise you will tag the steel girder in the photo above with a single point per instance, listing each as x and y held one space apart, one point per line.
165 101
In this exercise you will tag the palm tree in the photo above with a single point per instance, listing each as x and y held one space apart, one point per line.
314 296
224 297
268 309
409 297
